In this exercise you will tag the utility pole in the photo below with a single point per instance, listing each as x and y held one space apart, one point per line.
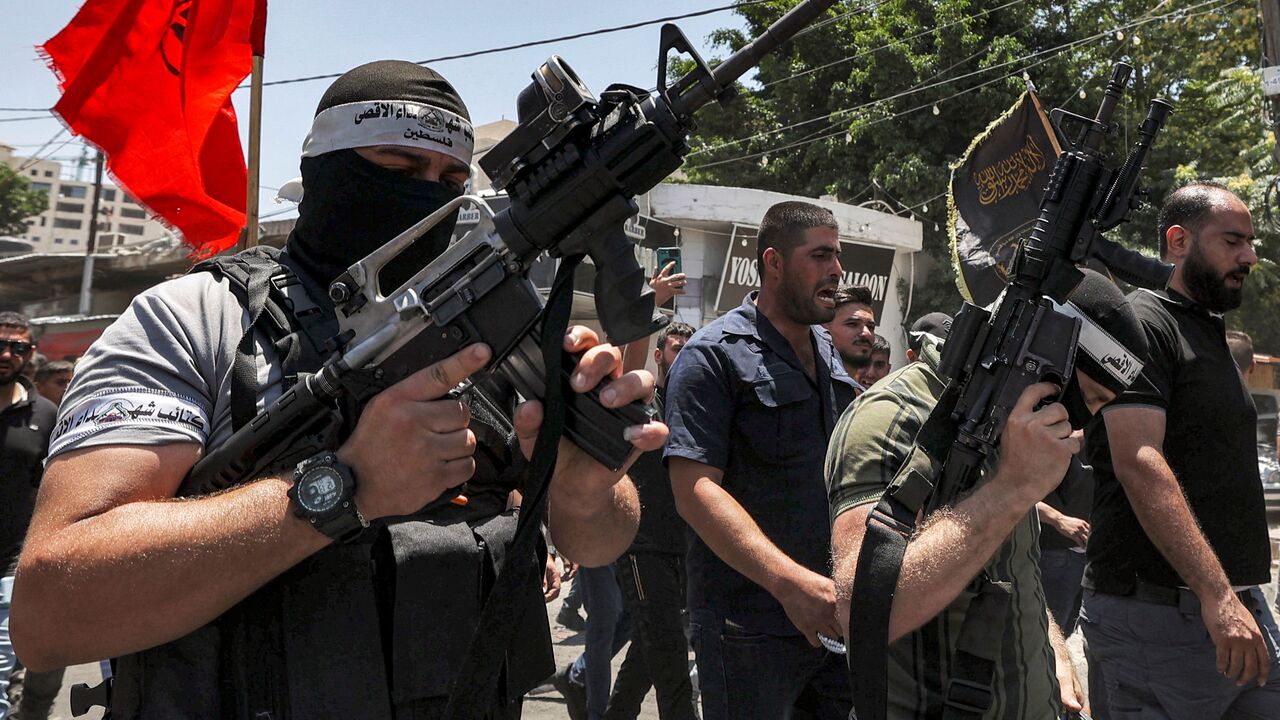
1271 58
86 277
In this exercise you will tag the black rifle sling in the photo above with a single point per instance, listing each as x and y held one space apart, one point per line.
889 527
475 685
278 304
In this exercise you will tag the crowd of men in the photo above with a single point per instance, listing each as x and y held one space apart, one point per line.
334 585
31 388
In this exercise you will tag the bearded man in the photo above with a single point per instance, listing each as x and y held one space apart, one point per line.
1176 623
250 603
751 401
853 330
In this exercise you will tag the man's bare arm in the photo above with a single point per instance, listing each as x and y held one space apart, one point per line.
726 527
944 555
1136 435
952 545
112 568
593 513
1070 692
113 564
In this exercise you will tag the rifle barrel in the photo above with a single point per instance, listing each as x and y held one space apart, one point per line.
737 64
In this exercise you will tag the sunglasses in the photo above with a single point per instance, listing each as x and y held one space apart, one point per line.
16 347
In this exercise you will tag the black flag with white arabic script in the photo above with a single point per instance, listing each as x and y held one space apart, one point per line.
994 196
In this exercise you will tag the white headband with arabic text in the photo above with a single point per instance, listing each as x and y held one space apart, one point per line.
390 122
1105 350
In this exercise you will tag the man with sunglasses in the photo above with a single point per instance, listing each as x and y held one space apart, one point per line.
26 420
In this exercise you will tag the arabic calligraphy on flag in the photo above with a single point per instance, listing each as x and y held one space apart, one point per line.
994 196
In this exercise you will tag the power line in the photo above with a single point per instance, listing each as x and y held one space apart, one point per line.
35 156
29 117
919 88
535 43
3 109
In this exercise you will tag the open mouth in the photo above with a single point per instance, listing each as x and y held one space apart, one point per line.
826 298
1236 279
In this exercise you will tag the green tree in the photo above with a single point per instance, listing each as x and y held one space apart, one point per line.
879 98
18 202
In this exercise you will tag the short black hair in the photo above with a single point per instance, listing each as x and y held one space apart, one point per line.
1241 348
881 345
678 329
853 294
51 368
1189 206
784 225
16 321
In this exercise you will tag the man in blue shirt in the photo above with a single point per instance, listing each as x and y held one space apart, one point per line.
751 402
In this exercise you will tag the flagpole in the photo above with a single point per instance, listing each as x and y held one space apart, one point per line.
91 246
255 148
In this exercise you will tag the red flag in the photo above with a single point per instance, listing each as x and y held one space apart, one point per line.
149 82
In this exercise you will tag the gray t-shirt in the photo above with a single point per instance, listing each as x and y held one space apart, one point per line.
161 373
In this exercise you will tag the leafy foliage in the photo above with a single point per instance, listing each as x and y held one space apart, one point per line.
848 108
18 202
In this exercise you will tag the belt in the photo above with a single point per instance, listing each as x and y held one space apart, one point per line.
1172 596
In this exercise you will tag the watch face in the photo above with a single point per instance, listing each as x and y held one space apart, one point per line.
320 490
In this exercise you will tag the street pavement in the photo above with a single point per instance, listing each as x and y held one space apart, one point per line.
550 706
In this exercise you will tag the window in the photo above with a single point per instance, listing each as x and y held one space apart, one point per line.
48 173
67 207
31 221
75 241
35 173
129 229
69 223
74 191
135 213
42 221
109 194
41 186
57 241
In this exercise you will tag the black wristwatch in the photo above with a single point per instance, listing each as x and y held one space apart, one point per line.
323 493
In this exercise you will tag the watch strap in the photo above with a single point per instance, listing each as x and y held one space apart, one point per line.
342 524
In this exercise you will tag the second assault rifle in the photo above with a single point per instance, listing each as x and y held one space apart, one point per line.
990 357
572 169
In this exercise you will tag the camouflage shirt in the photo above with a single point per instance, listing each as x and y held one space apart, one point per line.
872 440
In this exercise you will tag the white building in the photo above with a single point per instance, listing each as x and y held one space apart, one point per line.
64 226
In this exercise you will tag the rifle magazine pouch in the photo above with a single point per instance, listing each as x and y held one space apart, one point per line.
330 636
437 605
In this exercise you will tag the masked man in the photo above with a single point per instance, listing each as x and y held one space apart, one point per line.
251 603
990 533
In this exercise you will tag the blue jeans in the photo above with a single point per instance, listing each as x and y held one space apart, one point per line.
608 629
1061 571
1157 662
749 676
7 657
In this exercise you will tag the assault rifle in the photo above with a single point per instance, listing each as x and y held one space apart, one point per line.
571 169
989 358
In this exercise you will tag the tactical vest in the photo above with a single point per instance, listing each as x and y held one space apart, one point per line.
374 629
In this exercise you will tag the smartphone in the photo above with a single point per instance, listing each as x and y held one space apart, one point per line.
668 255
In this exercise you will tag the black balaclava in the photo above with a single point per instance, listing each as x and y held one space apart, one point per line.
351 206
1113 345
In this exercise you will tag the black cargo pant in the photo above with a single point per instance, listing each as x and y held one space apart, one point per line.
653 591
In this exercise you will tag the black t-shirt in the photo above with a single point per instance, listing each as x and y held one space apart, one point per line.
1209 444
661 527
24 440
